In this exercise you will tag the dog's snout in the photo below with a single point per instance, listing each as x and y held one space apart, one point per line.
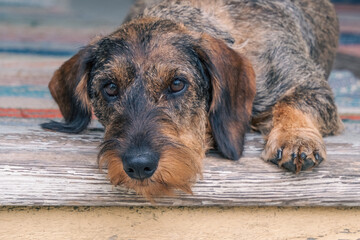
140 166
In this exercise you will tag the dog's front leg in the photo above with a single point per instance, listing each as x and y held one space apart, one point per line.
299 120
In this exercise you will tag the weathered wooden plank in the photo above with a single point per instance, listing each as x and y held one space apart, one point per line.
46 168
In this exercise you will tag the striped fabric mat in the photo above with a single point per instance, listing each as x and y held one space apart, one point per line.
37 36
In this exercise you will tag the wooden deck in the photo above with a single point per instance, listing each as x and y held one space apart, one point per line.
40 168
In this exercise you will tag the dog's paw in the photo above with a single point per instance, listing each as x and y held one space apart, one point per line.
295 149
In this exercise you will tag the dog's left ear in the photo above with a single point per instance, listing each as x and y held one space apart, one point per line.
232 80
68 87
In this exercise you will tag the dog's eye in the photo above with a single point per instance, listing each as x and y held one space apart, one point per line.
177 86
111 90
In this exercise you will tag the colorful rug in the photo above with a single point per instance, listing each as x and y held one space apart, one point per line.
37 36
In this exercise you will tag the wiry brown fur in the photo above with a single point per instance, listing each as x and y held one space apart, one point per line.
222 51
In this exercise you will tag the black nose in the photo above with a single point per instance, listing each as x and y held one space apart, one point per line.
140 166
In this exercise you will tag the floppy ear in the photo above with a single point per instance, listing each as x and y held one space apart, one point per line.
68 87
232 93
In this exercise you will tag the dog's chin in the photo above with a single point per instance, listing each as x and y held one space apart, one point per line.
177 170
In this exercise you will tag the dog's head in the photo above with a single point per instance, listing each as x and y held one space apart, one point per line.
162 93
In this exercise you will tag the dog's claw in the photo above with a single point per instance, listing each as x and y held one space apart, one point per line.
279 154
318 158
303 156
278 157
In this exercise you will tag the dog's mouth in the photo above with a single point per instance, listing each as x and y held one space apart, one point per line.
176 169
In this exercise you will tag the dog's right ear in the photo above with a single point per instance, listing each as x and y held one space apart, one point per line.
68 87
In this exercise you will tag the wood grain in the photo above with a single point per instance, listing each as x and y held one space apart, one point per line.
41 168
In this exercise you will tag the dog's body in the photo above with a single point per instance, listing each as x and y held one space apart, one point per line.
179 77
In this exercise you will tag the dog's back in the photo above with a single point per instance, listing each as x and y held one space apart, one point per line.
323 23
309 27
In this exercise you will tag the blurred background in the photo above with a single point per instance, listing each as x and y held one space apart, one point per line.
37 36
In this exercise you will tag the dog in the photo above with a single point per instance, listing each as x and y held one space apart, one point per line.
180 77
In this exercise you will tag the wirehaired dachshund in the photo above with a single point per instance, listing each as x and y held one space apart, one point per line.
180 77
